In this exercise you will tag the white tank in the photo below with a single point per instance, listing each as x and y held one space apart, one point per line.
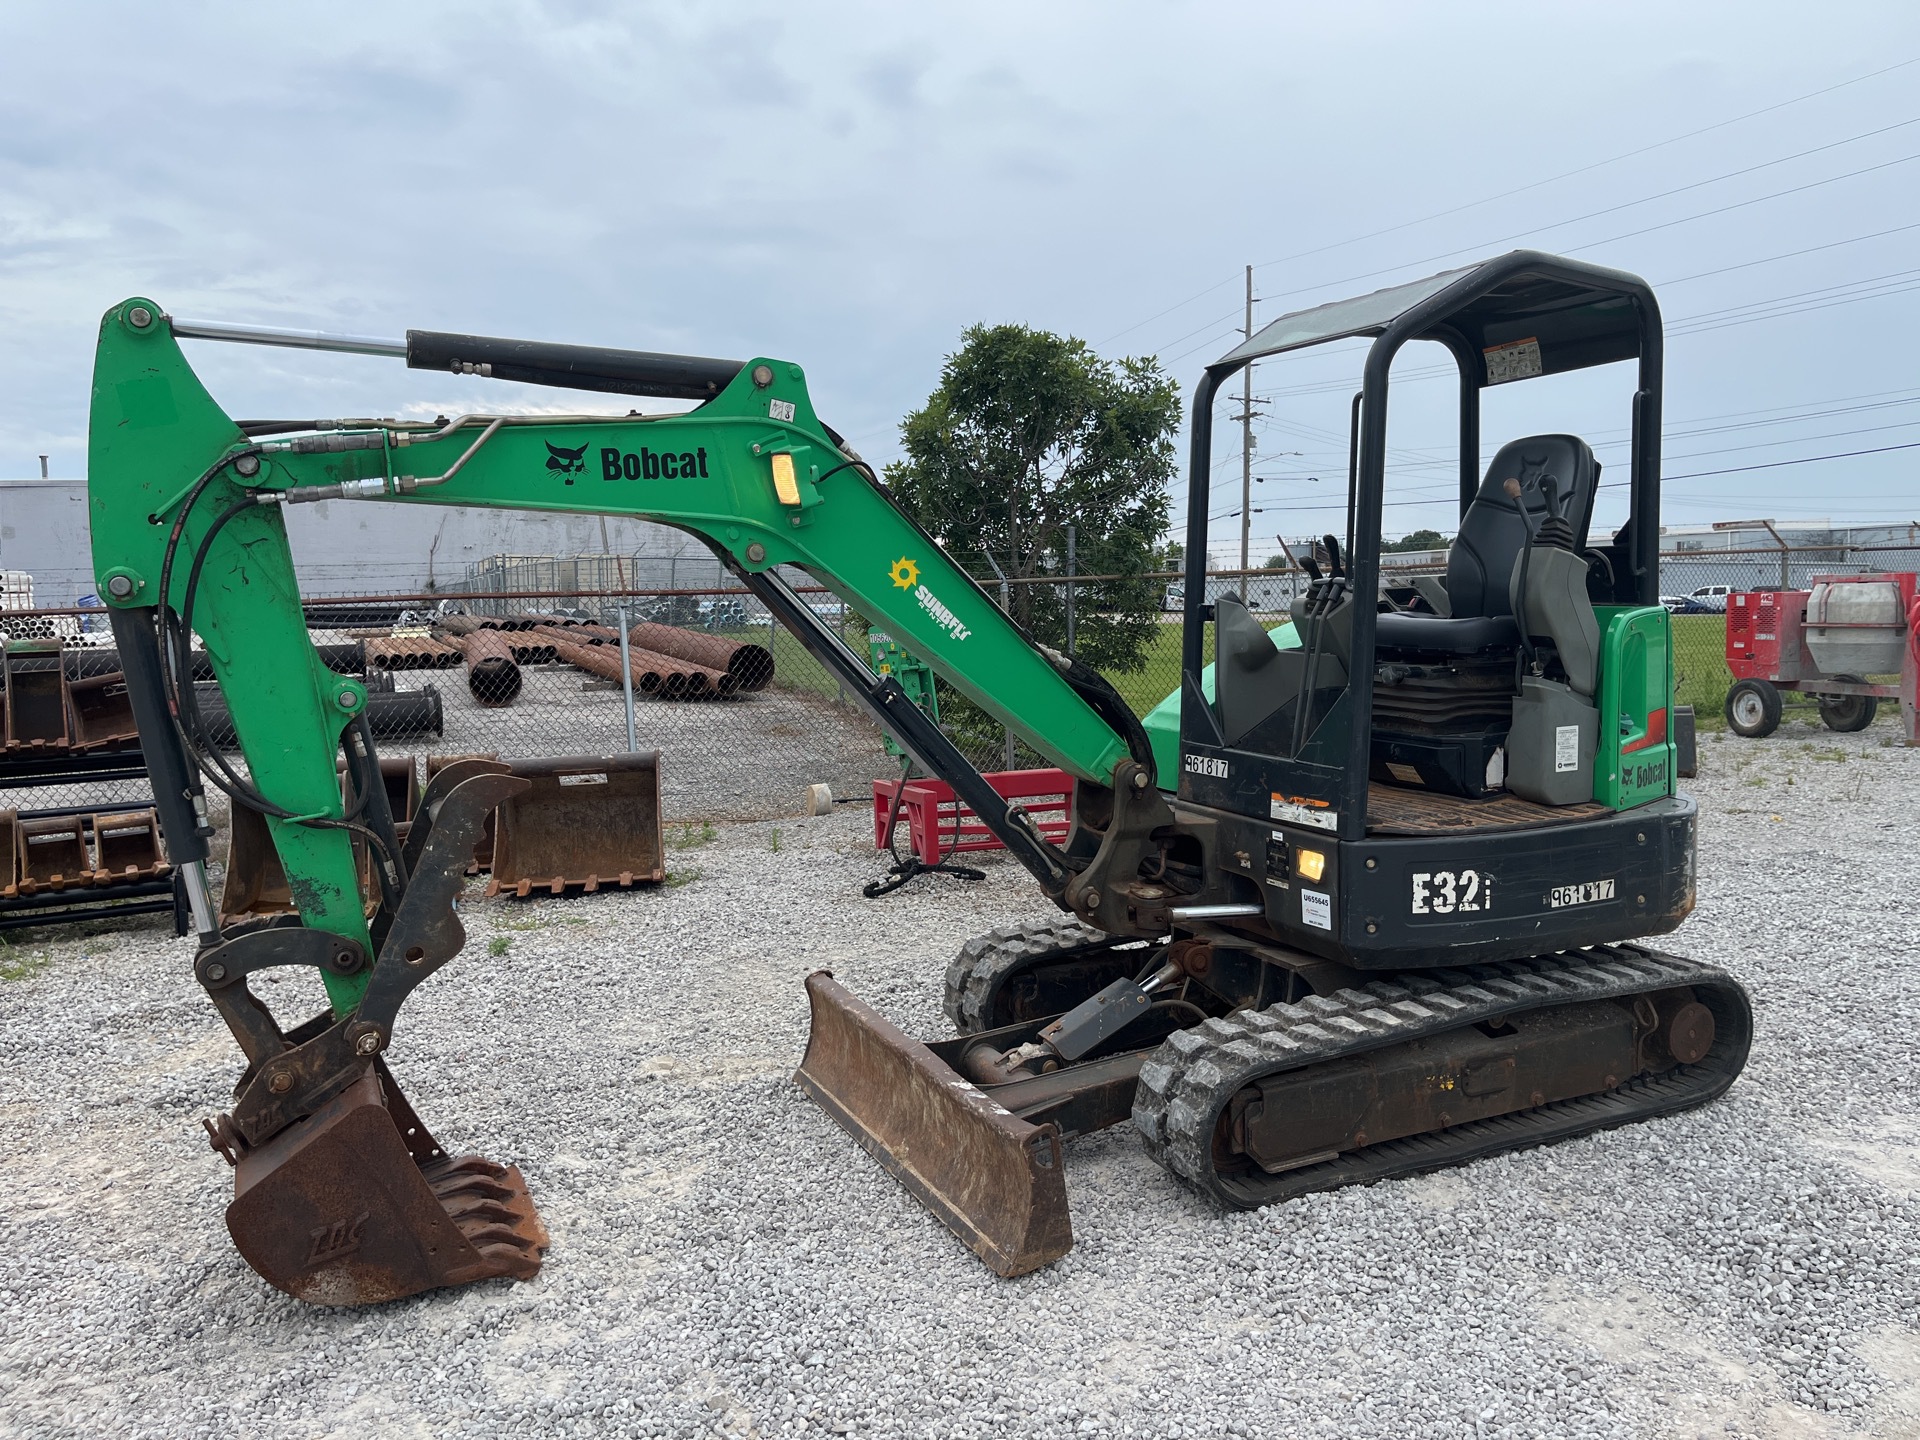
1836 615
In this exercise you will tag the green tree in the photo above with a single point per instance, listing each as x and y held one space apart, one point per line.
1418 540
1027 433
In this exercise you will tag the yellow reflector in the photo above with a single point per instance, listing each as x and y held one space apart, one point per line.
785 485
1311 864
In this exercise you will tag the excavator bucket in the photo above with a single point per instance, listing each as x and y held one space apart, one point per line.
356 1204
993 1178
588 822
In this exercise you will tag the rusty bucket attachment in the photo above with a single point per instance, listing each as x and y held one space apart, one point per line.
588 821
53 854
256 884
9 854
356 1204
36 680
102 712
127 847
993 1178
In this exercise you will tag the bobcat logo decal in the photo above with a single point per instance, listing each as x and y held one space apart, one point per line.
566 462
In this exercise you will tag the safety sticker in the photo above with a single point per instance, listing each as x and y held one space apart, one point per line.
599 779
1316 909
780 409
1296 811
1566 748
1516 360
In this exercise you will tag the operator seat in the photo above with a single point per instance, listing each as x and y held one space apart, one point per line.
1492 534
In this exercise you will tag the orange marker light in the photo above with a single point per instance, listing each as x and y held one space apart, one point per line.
785 484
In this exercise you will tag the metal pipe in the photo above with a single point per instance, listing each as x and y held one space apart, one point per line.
193 876
287 339
626 681
1215 912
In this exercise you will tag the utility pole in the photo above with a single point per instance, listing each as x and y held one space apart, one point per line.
1246 449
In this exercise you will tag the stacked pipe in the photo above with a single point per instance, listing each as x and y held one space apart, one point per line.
750 665
391 712
663 676
82 662
493 678
413 652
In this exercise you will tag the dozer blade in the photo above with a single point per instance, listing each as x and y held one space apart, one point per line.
995 1180
356 1204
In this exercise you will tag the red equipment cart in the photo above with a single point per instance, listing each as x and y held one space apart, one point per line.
1825 642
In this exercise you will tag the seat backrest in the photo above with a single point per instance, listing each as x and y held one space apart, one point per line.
1480 562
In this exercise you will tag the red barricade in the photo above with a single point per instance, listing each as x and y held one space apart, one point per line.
939 825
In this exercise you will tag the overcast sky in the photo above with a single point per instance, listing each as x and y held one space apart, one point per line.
849 187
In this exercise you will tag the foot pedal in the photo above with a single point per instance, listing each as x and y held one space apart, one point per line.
356 1204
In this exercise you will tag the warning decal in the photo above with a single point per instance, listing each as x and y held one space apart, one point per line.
1516 360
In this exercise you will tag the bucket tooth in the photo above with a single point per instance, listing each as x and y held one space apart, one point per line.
355 1205
994 1179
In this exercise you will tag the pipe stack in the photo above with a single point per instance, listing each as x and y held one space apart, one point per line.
412 652
662 676
750 665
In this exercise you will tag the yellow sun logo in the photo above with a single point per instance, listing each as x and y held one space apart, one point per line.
905 573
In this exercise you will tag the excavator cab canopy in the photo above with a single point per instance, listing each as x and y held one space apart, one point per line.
1299 738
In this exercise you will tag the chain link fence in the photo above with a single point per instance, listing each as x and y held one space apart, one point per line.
752 754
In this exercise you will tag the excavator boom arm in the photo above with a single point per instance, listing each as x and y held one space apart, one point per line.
752 471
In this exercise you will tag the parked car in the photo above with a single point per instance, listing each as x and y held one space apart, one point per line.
1687 605
1712 597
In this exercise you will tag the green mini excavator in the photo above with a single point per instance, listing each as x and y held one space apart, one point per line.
1385 917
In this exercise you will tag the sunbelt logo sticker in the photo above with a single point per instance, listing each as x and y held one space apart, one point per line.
905 575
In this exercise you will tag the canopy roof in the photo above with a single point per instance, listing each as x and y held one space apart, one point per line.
1526 313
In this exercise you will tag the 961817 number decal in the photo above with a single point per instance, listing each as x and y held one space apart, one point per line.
1588 894
1452 892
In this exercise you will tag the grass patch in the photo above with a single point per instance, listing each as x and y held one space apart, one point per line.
692 837
773 841
677 878
19 964
499 945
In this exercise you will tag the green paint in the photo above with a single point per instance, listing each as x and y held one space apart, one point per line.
914 676
1635 700
1163 721
154 428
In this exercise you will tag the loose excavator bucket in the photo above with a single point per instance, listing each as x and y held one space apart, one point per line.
993 1178
588 822
356 1204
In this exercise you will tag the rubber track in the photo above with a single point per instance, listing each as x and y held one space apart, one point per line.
1186 1084
977 972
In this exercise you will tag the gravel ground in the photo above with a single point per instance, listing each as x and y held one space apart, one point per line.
726 1262
747 758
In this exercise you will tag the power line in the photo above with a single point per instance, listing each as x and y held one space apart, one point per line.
1611 239
1531 185
1584 169
1677 190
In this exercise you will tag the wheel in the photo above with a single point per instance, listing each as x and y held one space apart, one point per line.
1028 972
1753 709
1848 713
